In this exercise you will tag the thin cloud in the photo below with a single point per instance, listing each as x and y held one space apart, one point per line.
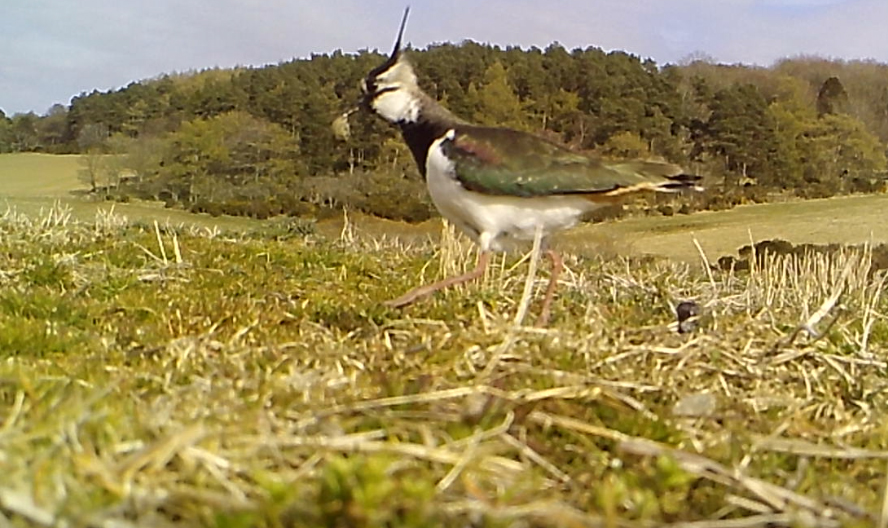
54 49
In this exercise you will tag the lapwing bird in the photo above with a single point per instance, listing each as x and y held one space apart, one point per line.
500 186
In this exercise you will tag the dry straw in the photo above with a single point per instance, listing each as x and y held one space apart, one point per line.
566 426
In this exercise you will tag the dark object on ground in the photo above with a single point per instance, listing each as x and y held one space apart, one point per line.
688 313
777 247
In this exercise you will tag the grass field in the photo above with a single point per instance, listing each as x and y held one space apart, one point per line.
843 220
35 183
849 220
39 175
31 183
175 375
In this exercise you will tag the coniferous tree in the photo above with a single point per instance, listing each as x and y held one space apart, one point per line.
5 133
741 131
832 98
496 102
794 127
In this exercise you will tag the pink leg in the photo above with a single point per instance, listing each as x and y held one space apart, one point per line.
424 291
557 266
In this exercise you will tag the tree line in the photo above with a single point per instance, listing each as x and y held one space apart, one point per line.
258 141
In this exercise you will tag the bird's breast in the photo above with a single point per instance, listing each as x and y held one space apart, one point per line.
504 220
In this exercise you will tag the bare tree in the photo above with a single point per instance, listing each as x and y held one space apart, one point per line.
91 141
94 171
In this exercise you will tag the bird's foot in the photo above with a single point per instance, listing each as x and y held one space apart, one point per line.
424 291
542 320
546 308
411 297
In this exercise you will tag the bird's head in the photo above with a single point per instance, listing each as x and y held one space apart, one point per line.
390 89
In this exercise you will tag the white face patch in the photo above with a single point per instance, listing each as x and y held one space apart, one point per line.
397 105
395 98
399 74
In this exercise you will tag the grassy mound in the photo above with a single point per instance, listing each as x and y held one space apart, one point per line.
175 376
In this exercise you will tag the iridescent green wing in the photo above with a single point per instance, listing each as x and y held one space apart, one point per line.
500 161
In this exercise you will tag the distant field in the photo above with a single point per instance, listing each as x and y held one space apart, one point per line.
31 175
845 219
31 182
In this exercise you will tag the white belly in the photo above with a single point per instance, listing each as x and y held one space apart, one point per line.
498 222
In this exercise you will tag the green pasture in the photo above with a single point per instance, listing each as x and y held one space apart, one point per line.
843 220
30 183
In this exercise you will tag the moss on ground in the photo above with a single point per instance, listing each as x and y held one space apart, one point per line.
172 376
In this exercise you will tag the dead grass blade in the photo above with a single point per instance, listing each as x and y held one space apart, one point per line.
154 457
442 455
778 498
393 401
21 504
768 520
471 450
803 448
527 293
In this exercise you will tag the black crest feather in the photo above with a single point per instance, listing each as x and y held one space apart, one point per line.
400 33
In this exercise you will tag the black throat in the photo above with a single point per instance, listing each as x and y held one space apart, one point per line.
431 124
419 136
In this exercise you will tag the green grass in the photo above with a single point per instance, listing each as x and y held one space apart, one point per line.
31 183
38 175
852 220
844 220
35 183
181 376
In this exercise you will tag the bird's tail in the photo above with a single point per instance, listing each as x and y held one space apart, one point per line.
655 176
681 182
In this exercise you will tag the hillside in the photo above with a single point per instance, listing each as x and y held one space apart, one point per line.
853 220
166 363
258 141
31 183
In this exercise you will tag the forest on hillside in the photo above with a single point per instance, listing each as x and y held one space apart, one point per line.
258 141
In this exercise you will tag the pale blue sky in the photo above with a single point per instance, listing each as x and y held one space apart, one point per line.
51 50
